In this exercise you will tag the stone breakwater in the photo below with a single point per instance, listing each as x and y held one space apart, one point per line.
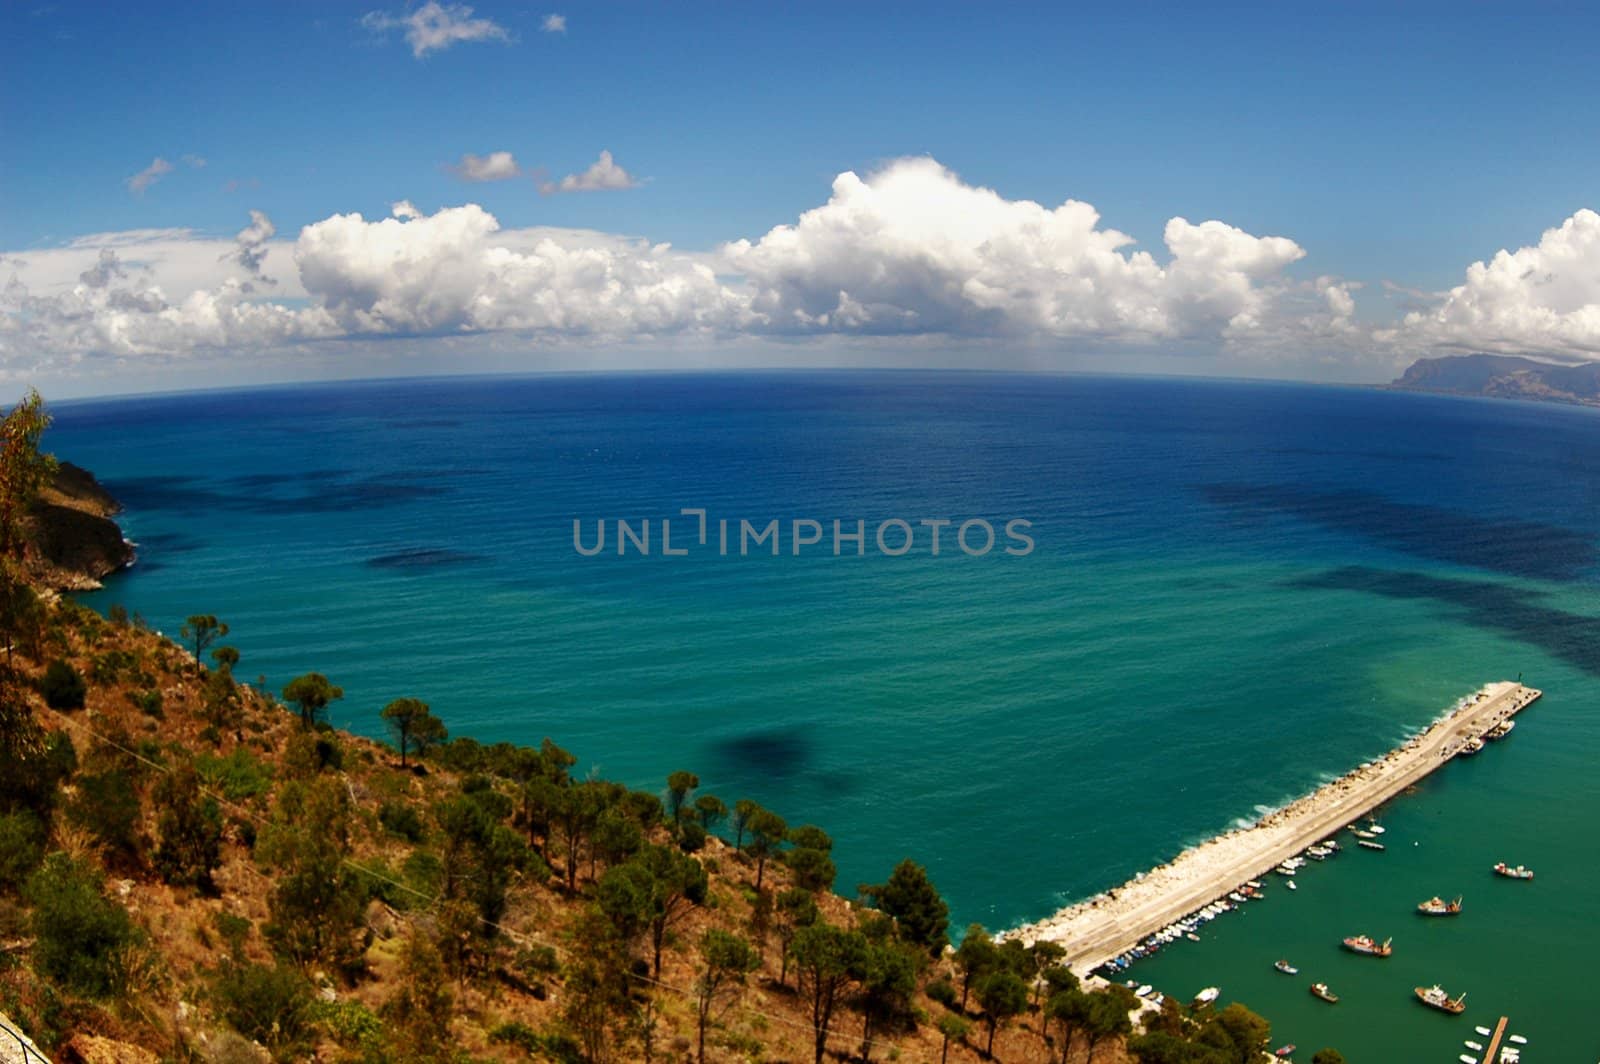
1109 924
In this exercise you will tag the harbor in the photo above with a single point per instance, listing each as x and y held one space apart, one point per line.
1120 920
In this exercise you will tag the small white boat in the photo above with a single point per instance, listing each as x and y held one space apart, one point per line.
1482 1030
1477 1046
1208 995
1375 828
1144 991
1466 1059
1291 885
1192 937
1518 1039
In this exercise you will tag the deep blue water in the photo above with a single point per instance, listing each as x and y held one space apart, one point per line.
1238 591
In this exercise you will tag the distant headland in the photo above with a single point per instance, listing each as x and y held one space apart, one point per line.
1504 377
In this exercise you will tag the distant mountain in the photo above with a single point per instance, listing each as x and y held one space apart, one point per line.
1504 377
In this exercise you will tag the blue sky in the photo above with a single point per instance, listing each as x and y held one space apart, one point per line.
1390 144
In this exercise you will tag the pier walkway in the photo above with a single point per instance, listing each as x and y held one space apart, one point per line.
1494 1043
1110 924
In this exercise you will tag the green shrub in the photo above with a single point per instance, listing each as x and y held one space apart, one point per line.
189 829
271 1005
944 992
239 776
148 702
402 819
107 805
81 938
692 836
62 686
559 1048
111 666
349 1023
21 848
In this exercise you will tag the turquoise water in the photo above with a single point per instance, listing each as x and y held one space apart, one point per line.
1238 592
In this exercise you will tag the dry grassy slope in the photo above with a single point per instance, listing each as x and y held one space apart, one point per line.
767 1021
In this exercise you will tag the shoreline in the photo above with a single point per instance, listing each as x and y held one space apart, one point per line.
1109 924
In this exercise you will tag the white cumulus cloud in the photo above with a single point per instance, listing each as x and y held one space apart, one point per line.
603 175
496 166
453 272
1543 299
913 249
434 26
554 24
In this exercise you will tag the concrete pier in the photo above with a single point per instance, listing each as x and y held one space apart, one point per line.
1110 924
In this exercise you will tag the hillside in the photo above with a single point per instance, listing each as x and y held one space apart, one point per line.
267 869
1504 377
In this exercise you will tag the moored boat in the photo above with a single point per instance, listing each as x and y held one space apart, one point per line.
1291 885
1471 746
1501 730
1364 944
1321 990
1518 872
1283 1051
1437 906
1208 995
1435 997
1286 968
1369 844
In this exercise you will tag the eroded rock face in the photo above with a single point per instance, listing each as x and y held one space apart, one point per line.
73 541
92 1049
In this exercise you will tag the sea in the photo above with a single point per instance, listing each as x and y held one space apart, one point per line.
1202 599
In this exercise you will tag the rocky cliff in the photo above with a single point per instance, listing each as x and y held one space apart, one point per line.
73 541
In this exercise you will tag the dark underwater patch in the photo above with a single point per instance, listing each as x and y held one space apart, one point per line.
1518 548
775 752
1513 611
189 496
423 558
169 543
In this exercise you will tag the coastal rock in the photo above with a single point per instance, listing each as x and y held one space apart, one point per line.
73 541
92 1049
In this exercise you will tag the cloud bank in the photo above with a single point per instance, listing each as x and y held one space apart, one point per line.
910 252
